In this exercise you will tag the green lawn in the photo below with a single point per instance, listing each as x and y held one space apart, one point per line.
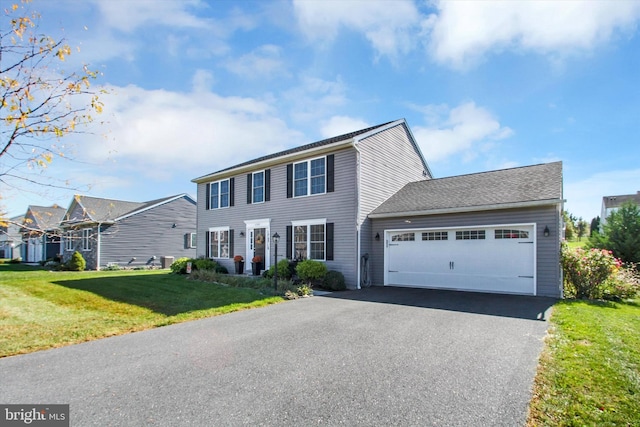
42 309
589 372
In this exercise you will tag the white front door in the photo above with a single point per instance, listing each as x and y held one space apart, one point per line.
258 243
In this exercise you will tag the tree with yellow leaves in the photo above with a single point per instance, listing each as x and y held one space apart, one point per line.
40 103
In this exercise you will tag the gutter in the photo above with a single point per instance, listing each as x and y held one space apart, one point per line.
462 209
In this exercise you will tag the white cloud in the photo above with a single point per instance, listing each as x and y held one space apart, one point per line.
462 32
584 197
460 130
263 62
387 26
315 98
339 125
166 134
129 16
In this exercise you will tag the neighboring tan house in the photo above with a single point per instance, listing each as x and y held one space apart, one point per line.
365 204
108 232
41 233
11 239
613 203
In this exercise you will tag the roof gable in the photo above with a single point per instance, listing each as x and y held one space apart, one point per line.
43 218
617 201
506 188
345 138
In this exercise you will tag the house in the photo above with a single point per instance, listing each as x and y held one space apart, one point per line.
366 204
116 232
11 239
613 203
41 233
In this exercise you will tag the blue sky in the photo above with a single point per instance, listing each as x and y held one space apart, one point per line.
197 86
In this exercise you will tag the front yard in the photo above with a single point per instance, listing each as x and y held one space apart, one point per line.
589 371
41 309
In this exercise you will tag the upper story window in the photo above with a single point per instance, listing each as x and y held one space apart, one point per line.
309 177
257 189
219 194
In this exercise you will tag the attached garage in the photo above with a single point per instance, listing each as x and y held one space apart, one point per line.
496 231
500 258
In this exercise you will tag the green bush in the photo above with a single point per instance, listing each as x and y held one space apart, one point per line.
76 263
622 285
621 233
311 271
179 266
15 260
285 270
204 264
334 281
586 271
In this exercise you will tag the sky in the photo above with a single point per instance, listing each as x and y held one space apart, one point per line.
196 86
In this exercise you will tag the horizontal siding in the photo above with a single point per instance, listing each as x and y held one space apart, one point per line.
338 207
547 248
150 233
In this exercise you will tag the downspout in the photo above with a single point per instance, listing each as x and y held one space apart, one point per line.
99 244
358 223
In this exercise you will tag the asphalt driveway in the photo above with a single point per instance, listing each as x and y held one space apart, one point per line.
376 357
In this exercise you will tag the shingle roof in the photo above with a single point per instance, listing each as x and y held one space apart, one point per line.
328 141
97 209
45 217
506 187
617 201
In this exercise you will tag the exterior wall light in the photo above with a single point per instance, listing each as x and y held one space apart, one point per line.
546 231
377 237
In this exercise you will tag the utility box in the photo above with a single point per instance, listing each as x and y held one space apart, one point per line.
166 261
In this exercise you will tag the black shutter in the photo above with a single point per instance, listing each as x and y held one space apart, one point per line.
289 180
232 192
208 196
249 188
330 173
231 243
329 237
289 241
267 185
207 247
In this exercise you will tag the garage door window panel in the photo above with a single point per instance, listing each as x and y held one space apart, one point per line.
435 235
511 234
471 235
403 237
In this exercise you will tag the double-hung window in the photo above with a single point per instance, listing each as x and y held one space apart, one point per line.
257 189
219 194
309 177
309 240
68 241
86 239
218 243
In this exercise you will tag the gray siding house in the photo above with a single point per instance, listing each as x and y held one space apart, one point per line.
11 245
131 234
612 203
41 233
357 202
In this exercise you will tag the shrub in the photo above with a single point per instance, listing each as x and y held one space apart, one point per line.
204 264
621 233
76 263
586 271
179 266
311 271
112 266
623 285
334 281
15 260
285 270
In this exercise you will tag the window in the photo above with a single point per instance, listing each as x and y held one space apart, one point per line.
403 237
309 177
435 235
68 241
258 187
86 239
192 240
511 234
470 235
218 194
309 241
219 243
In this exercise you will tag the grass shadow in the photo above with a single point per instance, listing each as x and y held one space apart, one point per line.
166 294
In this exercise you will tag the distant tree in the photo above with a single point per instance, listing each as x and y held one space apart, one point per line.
39 102
581 228
569 226
621 233
595 226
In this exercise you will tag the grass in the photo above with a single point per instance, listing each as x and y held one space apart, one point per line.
589 372
573 244
41 309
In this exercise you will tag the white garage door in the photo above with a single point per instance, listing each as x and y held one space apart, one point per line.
486 259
